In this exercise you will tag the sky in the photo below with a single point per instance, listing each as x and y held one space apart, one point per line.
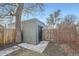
66 8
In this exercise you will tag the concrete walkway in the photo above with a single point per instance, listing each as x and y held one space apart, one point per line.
38 48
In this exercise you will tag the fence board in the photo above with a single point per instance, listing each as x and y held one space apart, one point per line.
7 36
64 34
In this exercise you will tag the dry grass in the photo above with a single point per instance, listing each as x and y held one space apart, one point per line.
26 52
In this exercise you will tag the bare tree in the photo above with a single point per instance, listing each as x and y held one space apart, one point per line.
53 18
69 19
8 9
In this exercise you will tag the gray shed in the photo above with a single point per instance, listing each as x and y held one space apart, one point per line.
32 31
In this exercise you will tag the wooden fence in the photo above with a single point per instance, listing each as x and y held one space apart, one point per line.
67 35
7 36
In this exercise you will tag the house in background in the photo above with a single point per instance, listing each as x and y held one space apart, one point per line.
31 30
1 26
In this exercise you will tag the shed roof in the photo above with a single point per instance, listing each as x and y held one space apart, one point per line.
30 20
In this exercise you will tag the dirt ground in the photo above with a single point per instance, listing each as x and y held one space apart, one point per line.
52 49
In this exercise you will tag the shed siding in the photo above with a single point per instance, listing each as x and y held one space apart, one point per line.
29 33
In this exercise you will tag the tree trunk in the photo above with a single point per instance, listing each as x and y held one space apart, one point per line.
18 22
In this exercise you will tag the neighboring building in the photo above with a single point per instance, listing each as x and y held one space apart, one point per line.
1 26
32 30
11 26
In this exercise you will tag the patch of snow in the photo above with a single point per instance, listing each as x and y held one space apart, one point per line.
9 50
38 48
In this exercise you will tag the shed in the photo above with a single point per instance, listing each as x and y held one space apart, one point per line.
32 31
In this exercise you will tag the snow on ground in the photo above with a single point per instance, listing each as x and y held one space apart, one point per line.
38 48
9 50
